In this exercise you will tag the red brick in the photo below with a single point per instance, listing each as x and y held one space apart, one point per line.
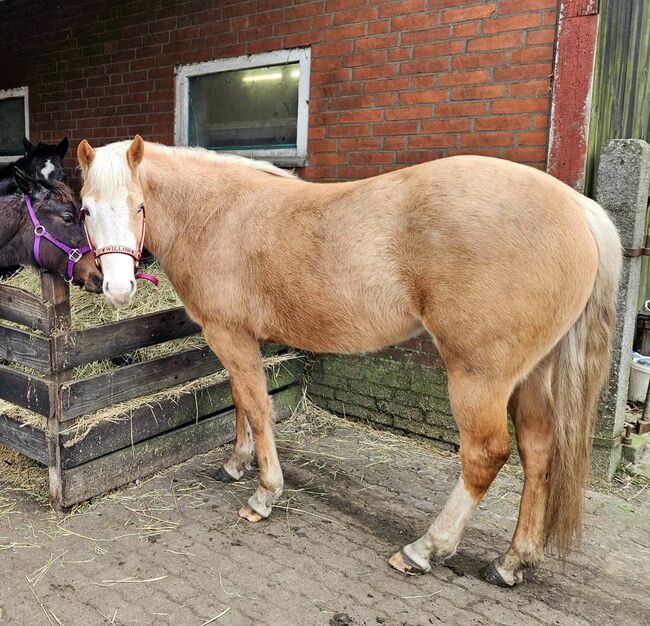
520 72
303 10
414 22
438 49
364 14
335 48
349 130
529 55
399 54
385 99
424 67
402 8
524 6
378 41
421 97
396 128
456 125
380 26
487 139
540 121
425 142
460 109
543 35
349 31
349 102
408 113
413 158
521 105
477 93
297 26
395 84
518 22
357 172
327 158
426 36
503 122
394 143
373 57
332 6
464 78
530 88
358 144
375 71
426 81
321 145
491 152
495 42
445 4
533 138
376 158
525 155
466 29
469 13
484 59
361 115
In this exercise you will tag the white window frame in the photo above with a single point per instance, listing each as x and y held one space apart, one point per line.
5 94
281 156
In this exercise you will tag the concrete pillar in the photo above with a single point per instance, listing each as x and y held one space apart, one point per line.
622 186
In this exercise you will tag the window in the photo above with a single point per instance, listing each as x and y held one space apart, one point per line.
254 105
14 123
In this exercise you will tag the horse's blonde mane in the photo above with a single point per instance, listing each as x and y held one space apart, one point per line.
110 173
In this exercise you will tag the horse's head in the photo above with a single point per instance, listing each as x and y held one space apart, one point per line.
112 203
58 215
44 162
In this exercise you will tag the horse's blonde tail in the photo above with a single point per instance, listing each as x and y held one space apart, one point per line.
581 364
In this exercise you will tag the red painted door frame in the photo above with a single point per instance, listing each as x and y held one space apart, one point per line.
575 47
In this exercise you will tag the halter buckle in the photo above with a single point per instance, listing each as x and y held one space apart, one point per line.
39 230
74 255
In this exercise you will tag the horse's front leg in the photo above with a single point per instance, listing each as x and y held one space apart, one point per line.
243 451
240 355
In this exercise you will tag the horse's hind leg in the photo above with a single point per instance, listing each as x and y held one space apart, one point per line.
479 406
243 451
532 412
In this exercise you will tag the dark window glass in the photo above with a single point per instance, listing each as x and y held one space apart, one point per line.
245 109
12 126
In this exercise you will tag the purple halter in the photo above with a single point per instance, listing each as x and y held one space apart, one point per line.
74 254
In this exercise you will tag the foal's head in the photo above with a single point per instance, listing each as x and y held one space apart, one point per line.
44 162
57 212
113 207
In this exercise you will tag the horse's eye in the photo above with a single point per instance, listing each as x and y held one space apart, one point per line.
84 212
68 218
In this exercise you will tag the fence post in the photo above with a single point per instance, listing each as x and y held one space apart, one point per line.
622 186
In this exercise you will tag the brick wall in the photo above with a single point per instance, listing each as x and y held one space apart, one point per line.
392 83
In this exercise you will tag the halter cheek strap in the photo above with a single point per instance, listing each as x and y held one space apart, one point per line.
74 254
136 255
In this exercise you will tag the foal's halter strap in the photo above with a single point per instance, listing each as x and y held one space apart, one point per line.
74 254
136 255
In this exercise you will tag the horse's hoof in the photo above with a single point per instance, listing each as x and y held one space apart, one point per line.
223 476
252 516
492 575
402 563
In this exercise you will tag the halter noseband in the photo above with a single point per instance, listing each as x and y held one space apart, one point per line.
74 254
136 255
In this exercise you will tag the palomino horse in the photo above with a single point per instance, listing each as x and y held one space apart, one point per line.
513 273
43 162
42 229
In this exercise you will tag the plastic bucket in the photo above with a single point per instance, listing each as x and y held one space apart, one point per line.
639 379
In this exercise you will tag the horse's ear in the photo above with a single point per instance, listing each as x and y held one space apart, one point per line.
85 155
62 147
24 181
135 153
28 145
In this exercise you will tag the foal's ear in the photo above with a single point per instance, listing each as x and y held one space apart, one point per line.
85 155
28 145
62 147
24 181
135 153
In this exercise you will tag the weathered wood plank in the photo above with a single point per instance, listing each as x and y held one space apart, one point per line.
22 307
25 439
28 391
96 392
149 421
108 340
143 459
25 348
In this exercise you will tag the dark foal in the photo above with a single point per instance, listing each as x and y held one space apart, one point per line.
57 211
42 162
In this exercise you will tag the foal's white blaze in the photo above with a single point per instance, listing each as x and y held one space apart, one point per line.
47 169
106 184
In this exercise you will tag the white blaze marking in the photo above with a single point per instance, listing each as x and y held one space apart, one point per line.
48 168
